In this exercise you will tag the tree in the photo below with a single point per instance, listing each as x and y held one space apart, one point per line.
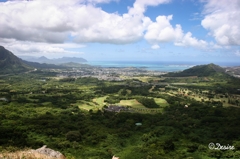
73 136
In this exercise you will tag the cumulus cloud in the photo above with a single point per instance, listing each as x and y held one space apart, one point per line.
45 49
139 7
33 21
28 26
162 31
222 21
81 21
114 29
55 21
188 40
117 29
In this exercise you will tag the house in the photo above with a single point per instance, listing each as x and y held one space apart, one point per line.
116 108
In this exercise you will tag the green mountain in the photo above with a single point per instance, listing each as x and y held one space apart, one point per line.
210 70
9 63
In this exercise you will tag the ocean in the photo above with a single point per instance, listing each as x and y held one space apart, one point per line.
154 65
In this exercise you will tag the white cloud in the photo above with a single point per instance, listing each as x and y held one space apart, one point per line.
139 7
55 21
188 40
222 21
117 29
28 26
162 31
33 21
43 49
81 21
156 46
113 29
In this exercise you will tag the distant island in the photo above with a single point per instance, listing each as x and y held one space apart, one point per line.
44 59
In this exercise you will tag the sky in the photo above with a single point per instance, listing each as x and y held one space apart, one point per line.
123 30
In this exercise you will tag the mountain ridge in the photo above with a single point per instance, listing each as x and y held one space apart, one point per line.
10 63
201 71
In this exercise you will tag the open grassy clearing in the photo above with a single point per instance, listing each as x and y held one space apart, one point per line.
139 108
143 78
132 102
100 100
161 102
88 105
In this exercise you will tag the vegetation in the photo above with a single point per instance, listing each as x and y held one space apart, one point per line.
9 63
179 116
148 102
201 71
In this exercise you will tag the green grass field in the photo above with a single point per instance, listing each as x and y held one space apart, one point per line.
100 100
88 105
133 103
138 107
161 102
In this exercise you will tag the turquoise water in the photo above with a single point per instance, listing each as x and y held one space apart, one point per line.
156 66
153 65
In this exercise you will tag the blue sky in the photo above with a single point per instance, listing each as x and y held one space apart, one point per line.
123 30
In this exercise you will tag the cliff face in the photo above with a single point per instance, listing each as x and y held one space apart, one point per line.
9 63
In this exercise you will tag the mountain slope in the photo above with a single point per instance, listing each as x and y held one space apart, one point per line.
9 63
211 70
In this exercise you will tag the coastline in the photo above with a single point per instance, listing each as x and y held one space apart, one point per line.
163 66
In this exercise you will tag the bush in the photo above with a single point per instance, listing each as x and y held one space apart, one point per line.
73 136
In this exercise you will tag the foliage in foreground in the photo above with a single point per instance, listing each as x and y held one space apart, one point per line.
179 132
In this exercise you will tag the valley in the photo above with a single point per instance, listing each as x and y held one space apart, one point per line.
92 112
67 109
119 79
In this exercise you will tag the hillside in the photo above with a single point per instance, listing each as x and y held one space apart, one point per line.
210 70
9 63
